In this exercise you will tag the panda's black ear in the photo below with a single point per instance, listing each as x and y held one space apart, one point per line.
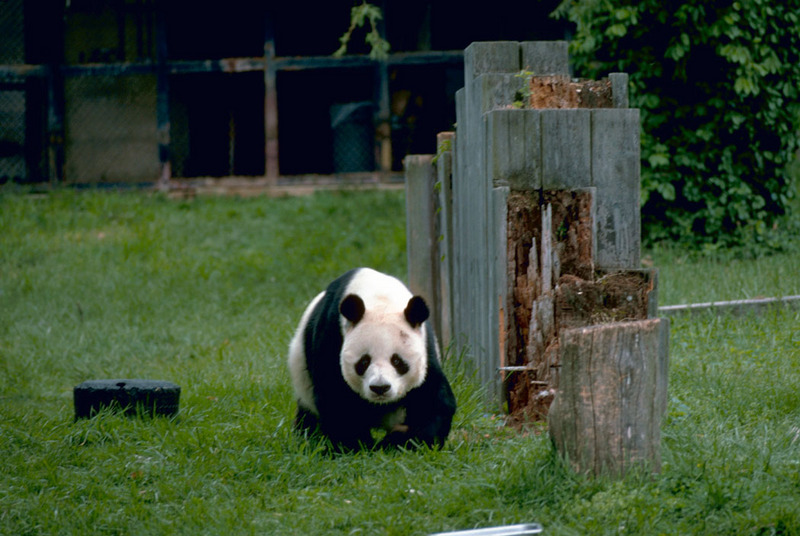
416 311
352 308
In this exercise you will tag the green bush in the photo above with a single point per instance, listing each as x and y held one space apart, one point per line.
717 85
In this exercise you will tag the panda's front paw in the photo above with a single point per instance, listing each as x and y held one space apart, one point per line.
399 429
397 437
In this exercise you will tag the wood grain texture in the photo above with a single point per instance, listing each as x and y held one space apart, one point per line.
444 178
616 170
423 261
514 148
545 57
566 149
606 417
619 89
490 57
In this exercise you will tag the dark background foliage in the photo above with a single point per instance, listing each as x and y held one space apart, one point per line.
717 84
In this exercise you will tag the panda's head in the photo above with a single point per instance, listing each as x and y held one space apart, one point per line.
383 353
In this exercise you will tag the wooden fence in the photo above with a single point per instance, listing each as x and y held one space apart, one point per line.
524 229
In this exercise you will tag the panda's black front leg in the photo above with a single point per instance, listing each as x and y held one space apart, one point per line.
429 414
347 436
420 428
399 436
306 421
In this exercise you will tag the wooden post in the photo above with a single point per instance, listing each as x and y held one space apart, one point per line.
566 149
55 124
382 108
606 416
619 89
444 233
162 100
545 57
382 118
423 259
515 149
271 167
458 274
490 82
616 170
542 232
491 57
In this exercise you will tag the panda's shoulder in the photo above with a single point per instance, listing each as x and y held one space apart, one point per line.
367 282
327 307
340 286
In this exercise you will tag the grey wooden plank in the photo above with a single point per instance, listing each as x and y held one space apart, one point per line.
619 89
476 284
444 171
494 91
492 292
616 175
490 57
420 246
459 262
473 225
545 57
500 307
489 91
514 148
485 328
566 149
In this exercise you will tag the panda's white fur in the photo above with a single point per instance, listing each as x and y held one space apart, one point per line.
301 380
381 333
382 352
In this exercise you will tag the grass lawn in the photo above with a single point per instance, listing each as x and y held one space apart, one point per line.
206 293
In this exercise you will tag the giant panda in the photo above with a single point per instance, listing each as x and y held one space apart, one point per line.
363 357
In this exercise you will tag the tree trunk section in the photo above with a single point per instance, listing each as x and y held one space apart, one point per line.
606 416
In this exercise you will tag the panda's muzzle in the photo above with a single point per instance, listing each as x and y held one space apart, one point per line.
380 389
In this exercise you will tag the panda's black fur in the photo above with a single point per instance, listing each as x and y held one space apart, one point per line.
422 416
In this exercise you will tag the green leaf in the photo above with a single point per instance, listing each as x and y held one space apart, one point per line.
718 89
744 86
617 30
658 160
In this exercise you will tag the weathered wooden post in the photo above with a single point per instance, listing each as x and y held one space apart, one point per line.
542 224
606 417
421 232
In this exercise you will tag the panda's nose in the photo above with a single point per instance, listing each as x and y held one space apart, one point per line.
380 389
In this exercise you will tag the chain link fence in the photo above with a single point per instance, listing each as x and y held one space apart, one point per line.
353 137
13 98
110 93
110 128
82 100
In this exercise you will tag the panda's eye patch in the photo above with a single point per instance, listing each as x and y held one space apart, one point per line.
399 364
363 364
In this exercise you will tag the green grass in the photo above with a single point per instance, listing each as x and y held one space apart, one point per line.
206 293
689 277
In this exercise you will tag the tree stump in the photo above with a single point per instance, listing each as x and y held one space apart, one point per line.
606 416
